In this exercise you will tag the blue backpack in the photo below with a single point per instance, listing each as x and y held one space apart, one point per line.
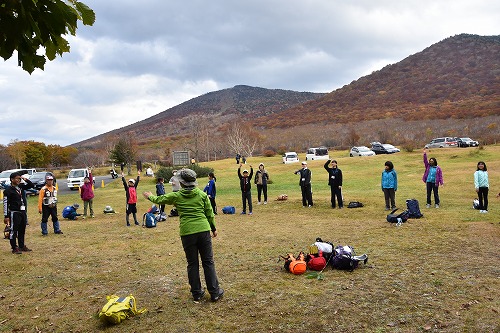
229 210
413 209
149 220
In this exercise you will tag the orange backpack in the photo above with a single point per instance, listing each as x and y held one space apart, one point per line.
297 265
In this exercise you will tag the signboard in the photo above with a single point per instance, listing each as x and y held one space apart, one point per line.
181 158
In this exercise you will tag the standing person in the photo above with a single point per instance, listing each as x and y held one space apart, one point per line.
211 191
389 185
245 186
261 178
14 211
131 194
433 177
335 182
47 205
160 190
482 186
196 222
305 185
238 157
176 186
87 194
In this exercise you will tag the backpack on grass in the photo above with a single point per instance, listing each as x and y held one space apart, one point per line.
118 309
398 218
149 220
413 209
354 204
345 258
295 265
228 210
316 262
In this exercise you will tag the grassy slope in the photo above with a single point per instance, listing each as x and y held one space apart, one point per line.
437 274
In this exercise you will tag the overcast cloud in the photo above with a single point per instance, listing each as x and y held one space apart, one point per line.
143 57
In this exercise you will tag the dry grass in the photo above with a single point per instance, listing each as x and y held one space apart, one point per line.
437 274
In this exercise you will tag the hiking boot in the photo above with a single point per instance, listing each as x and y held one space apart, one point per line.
265 202
25 249
16 251
136 223
428 206
199 297
243 213
58 232
218 296
437 206
92 216
128 224
250 213
258 202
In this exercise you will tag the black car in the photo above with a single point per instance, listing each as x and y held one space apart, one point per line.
466 142
38 179
383 148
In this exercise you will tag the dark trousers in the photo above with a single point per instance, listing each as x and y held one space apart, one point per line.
162 209
261 189
336 192
432 187
52 212
247 197
214 205
17 228
390 197
200 243
307 197
483 198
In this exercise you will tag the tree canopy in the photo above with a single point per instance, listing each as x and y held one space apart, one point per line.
27 26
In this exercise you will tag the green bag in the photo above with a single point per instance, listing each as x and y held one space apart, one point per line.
119 308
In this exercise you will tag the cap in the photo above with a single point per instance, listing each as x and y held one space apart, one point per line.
49 177
261 164
245 171
76 206
131 181
304 163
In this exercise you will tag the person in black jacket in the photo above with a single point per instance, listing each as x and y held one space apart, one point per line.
335 182
14 210
305 185
245 185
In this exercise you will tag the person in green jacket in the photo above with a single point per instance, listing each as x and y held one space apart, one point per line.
196 219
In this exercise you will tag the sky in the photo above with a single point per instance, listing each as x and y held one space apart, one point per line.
143 57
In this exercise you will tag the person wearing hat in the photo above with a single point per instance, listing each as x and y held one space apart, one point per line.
335 182
261 178
69 212
47 205
305 185
131 194
245 186
87 194
14 210
196 221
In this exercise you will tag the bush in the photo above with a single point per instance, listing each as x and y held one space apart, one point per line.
269 153
167 172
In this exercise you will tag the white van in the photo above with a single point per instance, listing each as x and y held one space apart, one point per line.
75 178
319 153
290 157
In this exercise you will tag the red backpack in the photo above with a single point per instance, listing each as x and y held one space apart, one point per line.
316 262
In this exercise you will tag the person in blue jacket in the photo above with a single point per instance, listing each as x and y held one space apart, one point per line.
389 185
69 212
211 191
160 190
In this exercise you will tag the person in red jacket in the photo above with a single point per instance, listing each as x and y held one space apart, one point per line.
87 194
131 194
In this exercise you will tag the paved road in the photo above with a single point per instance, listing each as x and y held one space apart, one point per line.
63 186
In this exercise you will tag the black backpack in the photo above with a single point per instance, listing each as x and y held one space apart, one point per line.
413 209
345 258
354 204
398 218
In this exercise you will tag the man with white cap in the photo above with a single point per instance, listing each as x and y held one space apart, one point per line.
196 219
245 186
47 205
305 185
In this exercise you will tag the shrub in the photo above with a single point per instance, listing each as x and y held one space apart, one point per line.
201 172
269 153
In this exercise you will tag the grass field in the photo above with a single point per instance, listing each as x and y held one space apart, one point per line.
436 274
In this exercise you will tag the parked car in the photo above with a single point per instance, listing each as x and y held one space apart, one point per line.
383 148
444 142
466 142
290 157
38 179
76 177
320 153
5 177
361 151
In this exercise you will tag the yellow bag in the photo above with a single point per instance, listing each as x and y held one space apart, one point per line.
119 308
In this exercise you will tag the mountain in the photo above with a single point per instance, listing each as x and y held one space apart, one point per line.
446 89
220 106
458 77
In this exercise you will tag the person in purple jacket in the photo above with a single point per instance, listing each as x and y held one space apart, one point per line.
433 177
87 194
